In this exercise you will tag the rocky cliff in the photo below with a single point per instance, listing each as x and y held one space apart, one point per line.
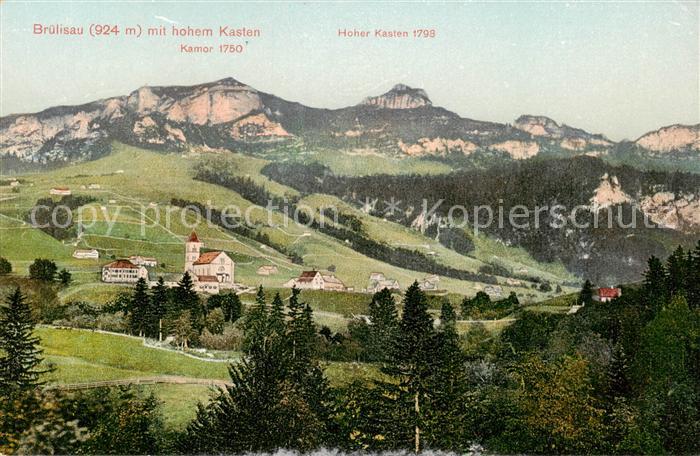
232 115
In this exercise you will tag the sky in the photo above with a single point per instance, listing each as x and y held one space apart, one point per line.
617 68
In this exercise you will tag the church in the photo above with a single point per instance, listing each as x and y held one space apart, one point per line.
211 271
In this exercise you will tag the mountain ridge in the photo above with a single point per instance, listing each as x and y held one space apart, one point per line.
230 114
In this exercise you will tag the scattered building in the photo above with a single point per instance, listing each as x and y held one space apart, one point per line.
494 291
315 280
267 269
210 271
378 282
608 294
14 183
94 186
82 254
429 283
513 282
149 262
61 191
123 271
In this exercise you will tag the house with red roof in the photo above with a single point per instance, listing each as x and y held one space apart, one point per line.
123 271
608 294
315 280
211 271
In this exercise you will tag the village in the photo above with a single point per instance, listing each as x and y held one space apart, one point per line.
213 272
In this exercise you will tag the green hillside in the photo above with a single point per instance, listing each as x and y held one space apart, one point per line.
137 186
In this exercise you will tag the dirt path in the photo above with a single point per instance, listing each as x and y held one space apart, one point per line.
166 379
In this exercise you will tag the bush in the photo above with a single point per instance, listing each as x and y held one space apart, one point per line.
5 266
230 339
43 269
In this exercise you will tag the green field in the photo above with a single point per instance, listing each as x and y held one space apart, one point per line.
131 215
83 356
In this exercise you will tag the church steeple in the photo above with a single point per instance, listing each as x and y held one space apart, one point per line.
192 248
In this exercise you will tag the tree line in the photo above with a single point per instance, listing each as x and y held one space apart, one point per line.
621 377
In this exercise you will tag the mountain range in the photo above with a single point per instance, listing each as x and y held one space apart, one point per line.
231 115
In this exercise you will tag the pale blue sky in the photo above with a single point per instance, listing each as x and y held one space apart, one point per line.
618 68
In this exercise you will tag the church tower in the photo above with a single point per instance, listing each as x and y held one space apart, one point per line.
192 247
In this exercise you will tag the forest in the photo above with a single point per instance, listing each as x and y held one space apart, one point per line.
618 377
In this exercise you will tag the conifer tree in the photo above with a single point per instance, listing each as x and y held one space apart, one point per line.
694 278
677 268
412 361
19 356
384 323
655 285
447 413
185 298
140 308
277 315
585 296
159 306
275 401
256 322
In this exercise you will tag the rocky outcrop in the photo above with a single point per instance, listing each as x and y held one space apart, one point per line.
676 212
672 138
518 150
258 126
216 103
437 146
400 97
569 138
608 193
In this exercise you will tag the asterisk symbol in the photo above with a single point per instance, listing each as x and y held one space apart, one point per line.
369 205
392 205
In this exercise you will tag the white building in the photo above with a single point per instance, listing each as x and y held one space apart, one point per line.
377 282
91 254
210 271
123 271
144 261
314 280
267 269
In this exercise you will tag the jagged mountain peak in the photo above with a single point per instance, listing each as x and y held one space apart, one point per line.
401 96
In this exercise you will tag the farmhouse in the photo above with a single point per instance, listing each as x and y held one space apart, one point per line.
123 271
62 191
314 280
210 271
608 294
143 261
267 269
378 282
91 254
429 283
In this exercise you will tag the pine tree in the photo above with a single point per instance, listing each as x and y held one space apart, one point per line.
140 308
448 387
411 365
277 315
159 306
185 298
256 322
384 324
275 400
677 267
694 278
19 356
655 289
585 296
